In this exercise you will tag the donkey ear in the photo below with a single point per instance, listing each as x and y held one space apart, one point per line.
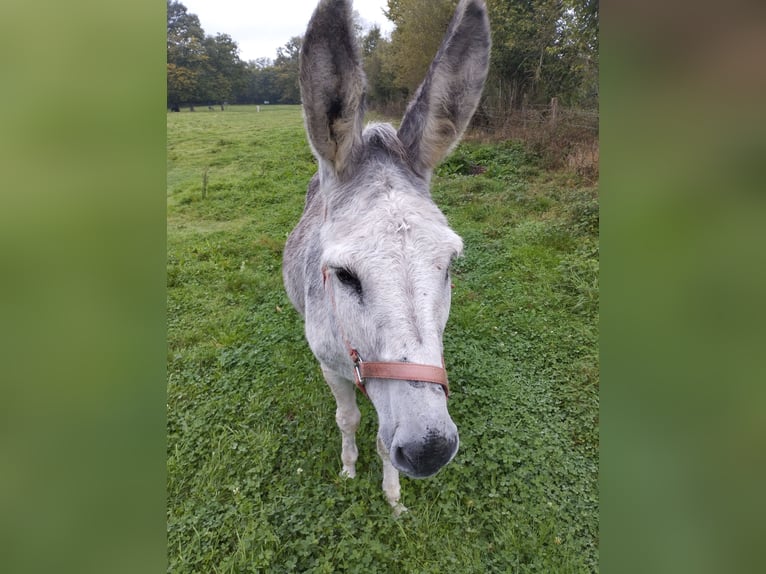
446 100
332 85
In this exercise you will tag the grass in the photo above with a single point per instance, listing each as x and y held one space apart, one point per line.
253 450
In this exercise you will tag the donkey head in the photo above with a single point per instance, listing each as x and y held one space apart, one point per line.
384 248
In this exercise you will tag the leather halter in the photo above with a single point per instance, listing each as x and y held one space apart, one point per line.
391 370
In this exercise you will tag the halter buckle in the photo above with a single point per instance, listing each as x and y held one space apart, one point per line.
358 379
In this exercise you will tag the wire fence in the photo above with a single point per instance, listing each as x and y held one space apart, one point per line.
551 117
564 137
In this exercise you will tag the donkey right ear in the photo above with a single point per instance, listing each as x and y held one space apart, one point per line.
332 85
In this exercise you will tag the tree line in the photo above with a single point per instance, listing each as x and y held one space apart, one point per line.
541 49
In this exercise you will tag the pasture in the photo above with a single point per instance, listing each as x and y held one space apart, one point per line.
253 452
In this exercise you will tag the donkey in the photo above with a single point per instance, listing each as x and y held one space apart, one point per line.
367 266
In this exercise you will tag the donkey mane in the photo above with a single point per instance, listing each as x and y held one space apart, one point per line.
381 139
382 157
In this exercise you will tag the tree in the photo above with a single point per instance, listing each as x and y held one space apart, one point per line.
420 27
540 49
223 73
583 28
381 90
287 71
186 55
200 68
260 83
521 32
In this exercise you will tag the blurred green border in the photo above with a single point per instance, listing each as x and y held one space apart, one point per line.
82 254
683 279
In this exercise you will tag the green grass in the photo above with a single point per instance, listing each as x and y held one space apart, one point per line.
253 450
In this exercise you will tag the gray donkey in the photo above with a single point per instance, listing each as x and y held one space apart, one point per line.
368 264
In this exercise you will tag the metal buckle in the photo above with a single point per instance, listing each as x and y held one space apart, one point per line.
357 369
358 374
359 381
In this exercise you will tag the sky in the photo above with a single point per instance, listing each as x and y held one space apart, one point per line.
259 27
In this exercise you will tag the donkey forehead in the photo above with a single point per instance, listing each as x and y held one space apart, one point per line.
385 209
398 226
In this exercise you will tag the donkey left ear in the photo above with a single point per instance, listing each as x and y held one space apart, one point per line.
332 85
446 100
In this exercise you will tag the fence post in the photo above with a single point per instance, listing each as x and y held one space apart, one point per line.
524 101
554 113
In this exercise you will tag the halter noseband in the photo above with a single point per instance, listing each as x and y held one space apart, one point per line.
392 370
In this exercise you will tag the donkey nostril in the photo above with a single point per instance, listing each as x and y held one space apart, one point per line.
401 456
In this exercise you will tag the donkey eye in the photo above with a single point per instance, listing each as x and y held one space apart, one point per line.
348 279
448 272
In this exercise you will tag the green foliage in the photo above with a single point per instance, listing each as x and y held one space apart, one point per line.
507 161
223 74
419 29
287 71
186 56
200 68
380 78
253 454
541 49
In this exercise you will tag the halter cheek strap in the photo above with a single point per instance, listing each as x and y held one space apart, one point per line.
391 370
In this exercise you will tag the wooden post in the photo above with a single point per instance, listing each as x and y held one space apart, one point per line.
524 101
554 113
204 183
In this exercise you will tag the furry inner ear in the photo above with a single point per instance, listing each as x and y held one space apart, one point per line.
446 100
332 85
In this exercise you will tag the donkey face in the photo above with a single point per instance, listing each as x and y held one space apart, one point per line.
386 252
368 264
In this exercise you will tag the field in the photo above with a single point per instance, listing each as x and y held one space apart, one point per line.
253 454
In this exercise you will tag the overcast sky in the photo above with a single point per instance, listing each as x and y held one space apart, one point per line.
259 27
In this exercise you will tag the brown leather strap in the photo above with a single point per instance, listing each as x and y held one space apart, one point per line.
405 372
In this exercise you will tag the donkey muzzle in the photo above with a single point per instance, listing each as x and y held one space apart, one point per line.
423 457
